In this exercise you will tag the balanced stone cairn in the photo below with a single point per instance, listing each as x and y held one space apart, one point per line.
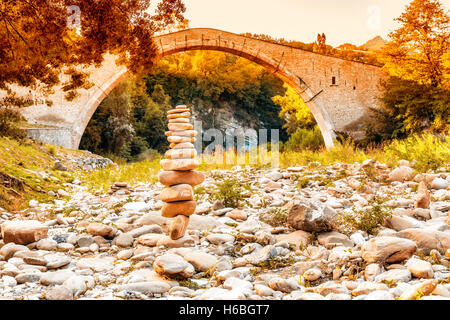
178 172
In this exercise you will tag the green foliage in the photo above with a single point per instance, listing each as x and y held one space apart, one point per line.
128 122
230 191
109 129
207 80
294 111
9 119
428 151
407 108
368 220
19 182
310 139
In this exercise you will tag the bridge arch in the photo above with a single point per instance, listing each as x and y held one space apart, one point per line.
338 92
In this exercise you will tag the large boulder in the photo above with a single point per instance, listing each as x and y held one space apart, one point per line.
399 223
401 174
427 239
387 249
23 231
310 218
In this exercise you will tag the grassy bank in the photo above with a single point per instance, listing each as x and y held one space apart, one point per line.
27 172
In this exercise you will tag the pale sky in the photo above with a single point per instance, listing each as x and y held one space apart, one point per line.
354 21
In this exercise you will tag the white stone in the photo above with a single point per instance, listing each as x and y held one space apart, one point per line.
439 183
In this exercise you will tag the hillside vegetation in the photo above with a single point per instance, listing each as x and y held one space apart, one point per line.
34 171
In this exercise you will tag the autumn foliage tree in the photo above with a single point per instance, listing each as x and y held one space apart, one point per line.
41 39
416 97
418 49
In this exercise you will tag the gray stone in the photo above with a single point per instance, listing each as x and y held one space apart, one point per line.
387 249
96 264
261 255
58 293
46 244
147 287
200 260
154 228
394 275
283 285
235 283
334 237
57 261
84 241
9 249
172 264
401 174
439 183
421 269
56 277
186 241
379 295
79 284
28 276
309 218
218 238
124 240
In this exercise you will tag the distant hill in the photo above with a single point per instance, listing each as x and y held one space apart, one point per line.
373 45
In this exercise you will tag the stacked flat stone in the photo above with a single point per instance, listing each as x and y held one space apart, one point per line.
178 174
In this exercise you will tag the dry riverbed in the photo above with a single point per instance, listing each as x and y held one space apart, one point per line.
294 236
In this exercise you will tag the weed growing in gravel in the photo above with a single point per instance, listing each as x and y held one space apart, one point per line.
230 191
275 217
277 262
302 183
188 283
390 283
200 193
368 220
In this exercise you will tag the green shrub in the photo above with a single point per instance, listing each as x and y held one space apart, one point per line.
230 192
305 139
429 151
368 220
8 124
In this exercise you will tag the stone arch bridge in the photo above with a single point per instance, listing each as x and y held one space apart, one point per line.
338 92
